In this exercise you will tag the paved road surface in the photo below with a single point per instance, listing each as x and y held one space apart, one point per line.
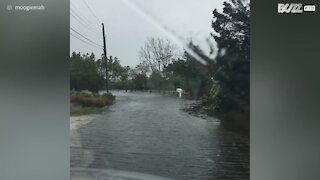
149 133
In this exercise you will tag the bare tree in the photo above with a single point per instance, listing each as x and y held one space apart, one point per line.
157 53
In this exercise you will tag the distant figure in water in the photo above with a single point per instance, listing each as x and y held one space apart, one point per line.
179 90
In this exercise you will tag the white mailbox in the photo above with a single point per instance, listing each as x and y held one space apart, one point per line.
179 90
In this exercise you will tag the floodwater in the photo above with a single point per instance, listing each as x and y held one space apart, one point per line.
149 133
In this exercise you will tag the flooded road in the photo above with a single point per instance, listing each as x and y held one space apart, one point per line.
149 133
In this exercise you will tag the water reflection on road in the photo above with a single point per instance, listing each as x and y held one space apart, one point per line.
149 133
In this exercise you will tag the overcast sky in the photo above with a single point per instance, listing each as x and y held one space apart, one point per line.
129 23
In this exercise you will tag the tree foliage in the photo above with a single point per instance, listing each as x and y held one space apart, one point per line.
231 90
118 74
84 74
233 27
189 73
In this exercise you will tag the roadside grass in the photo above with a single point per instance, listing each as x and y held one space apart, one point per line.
86 102
76 110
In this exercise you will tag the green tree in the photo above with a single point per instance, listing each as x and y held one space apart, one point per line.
118 74
84 74
156 81
233 27
190 74
230 93
139 81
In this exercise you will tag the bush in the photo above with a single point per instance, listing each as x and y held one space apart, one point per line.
109 96
86 99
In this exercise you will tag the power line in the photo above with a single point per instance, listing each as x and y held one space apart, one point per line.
79 15
84 25
91 11
85 37
83 20
76 11
76 14
84 41
93 45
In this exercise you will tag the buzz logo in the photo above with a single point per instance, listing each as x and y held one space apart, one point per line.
294 8
290 8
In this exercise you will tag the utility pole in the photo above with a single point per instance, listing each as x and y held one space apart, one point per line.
105 58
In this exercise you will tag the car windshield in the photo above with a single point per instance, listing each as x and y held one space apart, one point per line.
159 89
